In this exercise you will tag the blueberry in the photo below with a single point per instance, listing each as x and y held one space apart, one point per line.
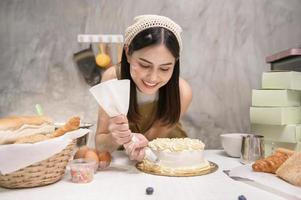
149 190
242 197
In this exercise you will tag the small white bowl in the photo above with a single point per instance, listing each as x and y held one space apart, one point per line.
231 143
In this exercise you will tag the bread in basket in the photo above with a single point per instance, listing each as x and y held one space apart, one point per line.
47 171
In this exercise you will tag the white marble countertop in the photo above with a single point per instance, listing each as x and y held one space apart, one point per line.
123 181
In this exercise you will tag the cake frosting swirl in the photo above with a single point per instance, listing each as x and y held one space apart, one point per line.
177 154
176 144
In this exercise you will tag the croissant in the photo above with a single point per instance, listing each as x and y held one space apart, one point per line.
71 125
271 163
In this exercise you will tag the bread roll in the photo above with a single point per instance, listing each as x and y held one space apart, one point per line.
71 125
290 170
12 128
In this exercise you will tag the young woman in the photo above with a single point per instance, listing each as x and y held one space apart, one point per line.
158 96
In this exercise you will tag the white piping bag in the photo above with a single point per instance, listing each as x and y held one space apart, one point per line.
114 97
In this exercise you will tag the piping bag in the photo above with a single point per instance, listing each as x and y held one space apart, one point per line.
114 97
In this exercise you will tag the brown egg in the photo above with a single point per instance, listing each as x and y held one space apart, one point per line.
94 151
91 155
105 156
81 152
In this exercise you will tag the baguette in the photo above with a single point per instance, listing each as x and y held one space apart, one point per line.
15 122
71 125
13 128
32 139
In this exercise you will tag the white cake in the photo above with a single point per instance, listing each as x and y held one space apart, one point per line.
178 154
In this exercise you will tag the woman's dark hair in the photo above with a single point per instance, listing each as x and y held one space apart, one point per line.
169 105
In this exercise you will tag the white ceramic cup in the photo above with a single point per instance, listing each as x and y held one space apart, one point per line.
231 143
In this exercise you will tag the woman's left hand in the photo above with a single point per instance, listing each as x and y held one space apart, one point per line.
136 150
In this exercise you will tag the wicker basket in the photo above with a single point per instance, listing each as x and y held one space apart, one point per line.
41 173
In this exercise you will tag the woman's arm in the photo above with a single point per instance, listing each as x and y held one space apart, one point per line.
103 139
159 130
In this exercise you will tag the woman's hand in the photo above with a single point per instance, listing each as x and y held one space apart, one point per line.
119 129
136 149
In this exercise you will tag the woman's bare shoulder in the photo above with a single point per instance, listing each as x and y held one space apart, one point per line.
185 94
109 74
185 88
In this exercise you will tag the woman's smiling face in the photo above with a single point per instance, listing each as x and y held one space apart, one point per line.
151 67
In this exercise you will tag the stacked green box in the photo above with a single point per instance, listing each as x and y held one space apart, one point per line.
276 110
281 80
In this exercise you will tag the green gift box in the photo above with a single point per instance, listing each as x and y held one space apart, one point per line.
281 80
275 115
276 98
288 133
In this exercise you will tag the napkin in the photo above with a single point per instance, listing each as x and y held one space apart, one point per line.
114 97
17 156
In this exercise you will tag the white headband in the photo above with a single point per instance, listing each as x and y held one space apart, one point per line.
143 22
